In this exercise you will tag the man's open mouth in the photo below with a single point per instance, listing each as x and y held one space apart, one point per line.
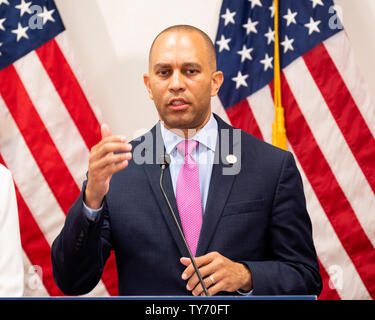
178 104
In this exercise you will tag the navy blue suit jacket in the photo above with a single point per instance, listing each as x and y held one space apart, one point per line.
257 217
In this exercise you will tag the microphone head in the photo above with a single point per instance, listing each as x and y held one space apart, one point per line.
164 160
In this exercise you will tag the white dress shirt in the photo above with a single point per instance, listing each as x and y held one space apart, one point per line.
11 265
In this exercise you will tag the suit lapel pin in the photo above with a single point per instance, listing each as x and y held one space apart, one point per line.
231 158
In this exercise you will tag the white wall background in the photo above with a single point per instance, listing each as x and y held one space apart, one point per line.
111 40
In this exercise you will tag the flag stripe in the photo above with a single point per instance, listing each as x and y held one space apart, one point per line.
263 108
328 136
344 109
75 63
339 48
70 92
332 255
21 163
242 117
54 115
333 200
217 108
33 242
33 130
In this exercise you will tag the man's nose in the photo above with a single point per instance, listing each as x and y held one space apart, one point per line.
177 82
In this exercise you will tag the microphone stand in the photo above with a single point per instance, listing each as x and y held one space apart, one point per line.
164 163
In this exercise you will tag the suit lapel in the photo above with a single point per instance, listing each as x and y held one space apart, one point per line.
153 174
220 184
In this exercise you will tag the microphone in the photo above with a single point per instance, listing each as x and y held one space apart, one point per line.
164 161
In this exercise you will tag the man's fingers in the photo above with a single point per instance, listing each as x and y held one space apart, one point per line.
107 171
212 287
200 261
120 139
100 148
110 159
110 148
206 268
204 271
106 132
112 169
185 261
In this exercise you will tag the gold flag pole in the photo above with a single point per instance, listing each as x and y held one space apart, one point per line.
278 127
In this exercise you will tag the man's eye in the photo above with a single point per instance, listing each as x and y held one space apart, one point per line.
192 71
163 73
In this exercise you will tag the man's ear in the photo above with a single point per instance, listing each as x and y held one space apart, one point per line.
146 80
216 82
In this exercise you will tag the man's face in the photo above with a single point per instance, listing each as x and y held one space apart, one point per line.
182 79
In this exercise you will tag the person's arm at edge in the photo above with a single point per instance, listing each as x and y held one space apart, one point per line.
11 262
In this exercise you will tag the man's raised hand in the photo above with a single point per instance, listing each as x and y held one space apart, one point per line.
107 157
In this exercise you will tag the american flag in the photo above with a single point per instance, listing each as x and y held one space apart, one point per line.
330 123
47 127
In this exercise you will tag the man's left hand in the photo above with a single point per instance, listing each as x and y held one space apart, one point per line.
219 274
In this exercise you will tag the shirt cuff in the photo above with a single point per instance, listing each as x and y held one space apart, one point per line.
242 293
91 214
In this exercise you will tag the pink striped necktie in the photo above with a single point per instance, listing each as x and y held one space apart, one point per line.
188 195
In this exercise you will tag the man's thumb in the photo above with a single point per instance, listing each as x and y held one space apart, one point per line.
106 132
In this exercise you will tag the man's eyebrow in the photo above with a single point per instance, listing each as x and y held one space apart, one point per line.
185 65
161 66
192 65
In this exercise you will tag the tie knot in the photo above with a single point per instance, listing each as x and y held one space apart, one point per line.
186 147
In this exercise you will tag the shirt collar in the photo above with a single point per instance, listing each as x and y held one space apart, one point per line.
206 136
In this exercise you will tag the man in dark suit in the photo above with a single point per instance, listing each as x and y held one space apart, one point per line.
239 201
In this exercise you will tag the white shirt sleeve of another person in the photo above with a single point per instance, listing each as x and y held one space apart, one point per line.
11 264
